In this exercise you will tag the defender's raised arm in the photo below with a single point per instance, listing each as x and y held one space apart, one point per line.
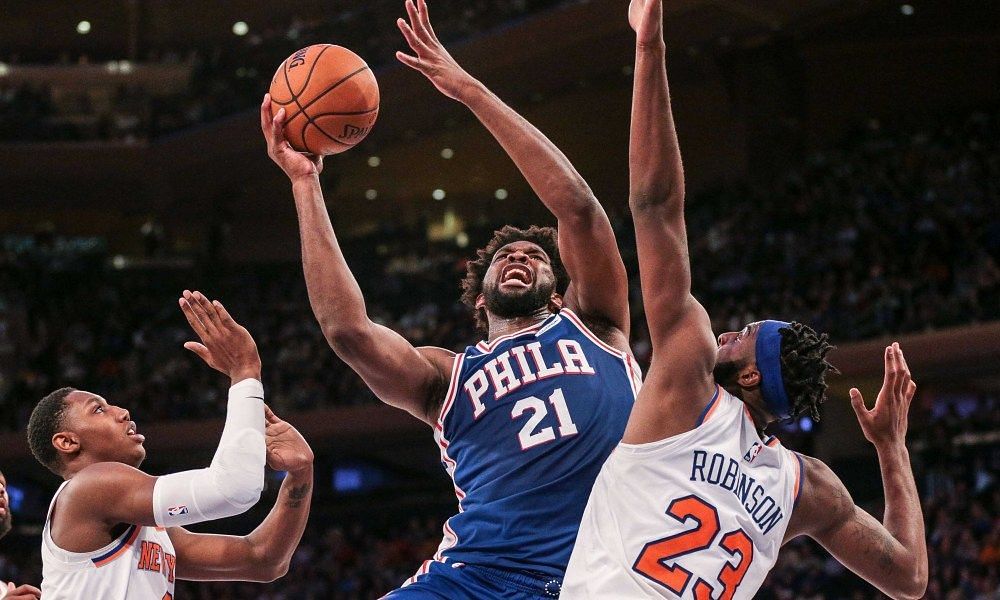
587 246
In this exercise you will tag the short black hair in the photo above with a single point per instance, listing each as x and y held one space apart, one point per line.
475 271
804 368
45 422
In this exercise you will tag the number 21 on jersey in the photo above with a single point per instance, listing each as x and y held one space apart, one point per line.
530 435
651 562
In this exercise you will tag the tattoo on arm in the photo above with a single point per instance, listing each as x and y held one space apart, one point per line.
297 494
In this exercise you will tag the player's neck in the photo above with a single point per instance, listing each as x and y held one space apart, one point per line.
501 326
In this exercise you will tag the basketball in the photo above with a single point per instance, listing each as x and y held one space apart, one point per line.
330 98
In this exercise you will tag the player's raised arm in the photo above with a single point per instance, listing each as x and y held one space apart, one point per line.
587 246
891 555
233 482
264 554
680 380
413 379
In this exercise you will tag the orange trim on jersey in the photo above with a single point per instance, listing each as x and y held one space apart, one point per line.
798 478
116 552
710 407
773 442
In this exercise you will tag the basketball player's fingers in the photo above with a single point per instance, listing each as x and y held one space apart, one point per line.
416 20
200 350
425 17
278 129
192 318
890 365
265 114
411 61
910 390
858 404
210 330
227 320
411 38
269 415
214 320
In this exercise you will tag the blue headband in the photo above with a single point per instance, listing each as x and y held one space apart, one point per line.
769 364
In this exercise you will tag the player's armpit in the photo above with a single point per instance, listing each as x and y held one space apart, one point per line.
413 379
212 557
90 489
827 513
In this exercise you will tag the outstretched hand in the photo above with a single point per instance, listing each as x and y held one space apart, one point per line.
295 164
225 345
287 450
432 60
646 18
886 422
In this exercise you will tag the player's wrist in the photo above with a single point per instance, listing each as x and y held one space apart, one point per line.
243 374
891 447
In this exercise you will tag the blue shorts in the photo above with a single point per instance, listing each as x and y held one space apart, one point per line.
459 581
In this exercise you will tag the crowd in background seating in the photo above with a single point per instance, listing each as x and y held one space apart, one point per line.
229 76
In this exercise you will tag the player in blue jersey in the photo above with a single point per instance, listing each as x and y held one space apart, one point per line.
524 419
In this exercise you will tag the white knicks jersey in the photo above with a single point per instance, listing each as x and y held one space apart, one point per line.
699 515
139 564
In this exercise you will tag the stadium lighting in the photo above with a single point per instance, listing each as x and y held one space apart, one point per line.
240 28
500 194
906 9
447 153
4 69
374 161
83 27
462 239
438 194
371 194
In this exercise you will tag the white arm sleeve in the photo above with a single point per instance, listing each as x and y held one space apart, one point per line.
234 481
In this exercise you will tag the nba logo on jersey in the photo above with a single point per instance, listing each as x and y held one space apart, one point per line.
174 511
752 452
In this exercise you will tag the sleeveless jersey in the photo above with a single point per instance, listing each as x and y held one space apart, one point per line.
140 563
698 515
528 421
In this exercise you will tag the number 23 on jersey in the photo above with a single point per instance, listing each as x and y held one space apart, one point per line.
652 561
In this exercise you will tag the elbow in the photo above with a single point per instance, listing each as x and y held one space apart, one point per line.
916 586
344 337
274 572
670 199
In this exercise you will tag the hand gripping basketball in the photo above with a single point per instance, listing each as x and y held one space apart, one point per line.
294 164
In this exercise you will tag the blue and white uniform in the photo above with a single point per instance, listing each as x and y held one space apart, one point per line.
527 422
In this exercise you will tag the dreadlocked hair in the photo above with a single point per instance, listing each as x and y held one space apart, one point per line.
804 368
45 422
475 271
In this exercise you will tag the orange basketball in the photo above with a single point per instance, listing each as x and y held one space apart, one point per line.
330 98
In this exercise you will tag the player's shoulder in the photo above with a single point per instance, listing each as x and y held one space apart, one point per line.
98 477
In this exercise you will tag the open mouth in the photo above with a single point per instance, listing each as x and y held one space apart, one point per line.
516 276
132 432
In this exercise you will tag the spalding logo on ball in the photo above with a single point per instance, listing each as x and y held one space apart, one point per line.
330 98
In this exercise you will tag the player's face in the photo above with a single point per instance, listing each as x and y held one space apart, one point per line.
519 281
105 432
737 349
6 518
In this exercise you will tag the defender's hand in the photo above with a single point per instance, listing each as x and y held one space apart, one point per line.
646 18
431 58
226 346
295 164
287 450
22 592
886 422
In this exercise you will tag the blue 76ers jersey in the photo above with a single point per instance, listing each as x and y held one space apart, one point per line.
528 421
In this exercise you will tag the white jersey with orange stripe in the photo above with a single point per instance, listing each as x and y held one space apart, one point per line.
140 563
699 515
